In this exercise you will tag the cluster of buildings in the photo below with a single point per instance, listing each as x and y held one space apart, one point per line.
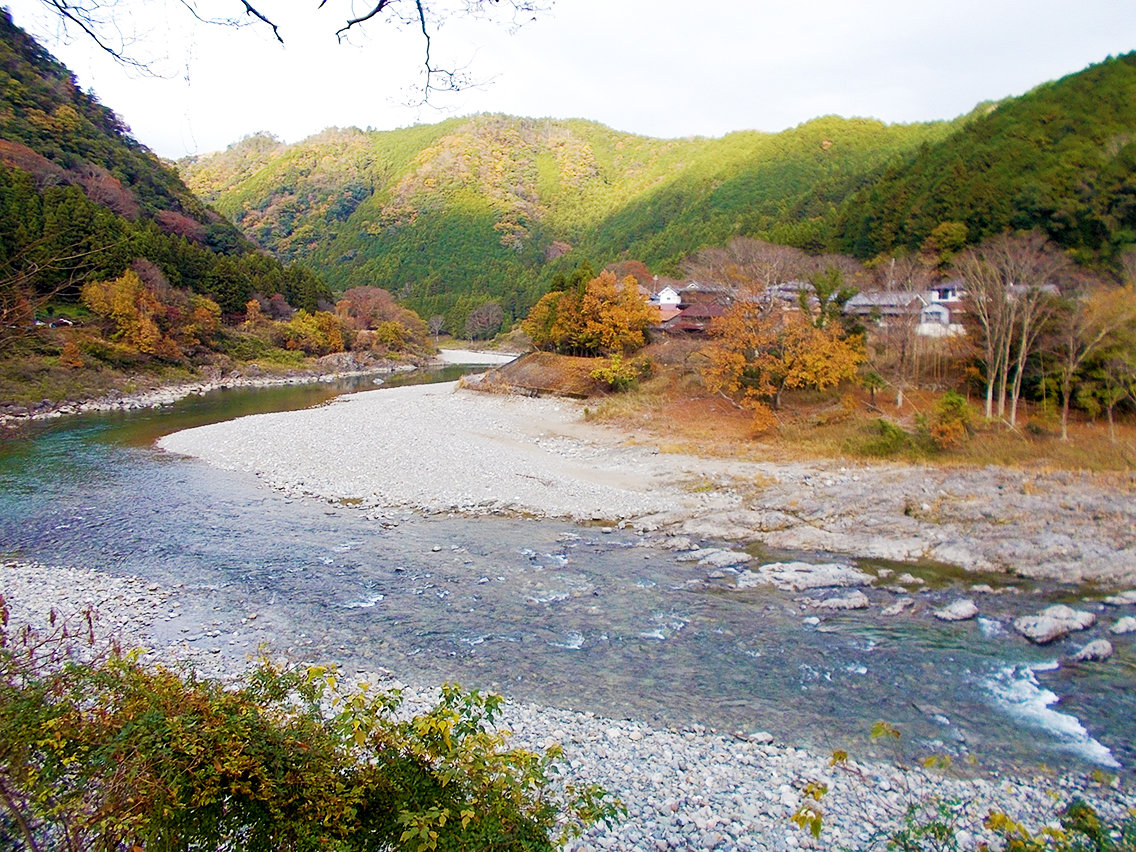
690 308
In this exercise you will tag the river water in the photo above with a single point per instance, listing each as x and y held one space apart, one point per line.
546 611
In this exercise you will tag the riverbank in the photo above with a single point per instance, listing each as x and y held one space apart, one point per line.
329 369
442 448
684 789
167 394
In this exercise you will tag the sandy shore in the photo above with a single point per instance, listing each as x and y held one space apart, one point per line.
439 448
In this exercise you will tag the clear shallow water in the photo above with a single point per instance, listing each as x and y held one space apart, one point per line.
543 611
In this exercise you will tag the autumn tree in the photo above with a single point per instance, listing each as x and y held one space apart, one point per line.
607 316
317 333
152 317
757 354
484 321
373 309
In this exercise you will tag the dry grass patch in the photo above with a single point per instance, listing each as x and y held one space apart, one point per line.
548 373
673 410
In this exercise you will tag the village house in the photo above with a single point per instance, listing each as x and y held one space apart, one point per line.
694 319
668 300
935 313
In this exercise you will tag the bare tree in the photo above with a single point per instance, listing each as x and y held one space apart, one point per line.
484 321
1012 283
905 273
747 264
106 23
22 293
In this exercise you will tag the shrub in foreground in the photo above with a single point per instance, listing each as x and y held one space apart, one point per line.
99 752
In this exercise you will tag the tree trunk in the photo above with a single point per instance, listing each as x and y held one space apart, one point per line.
1066 392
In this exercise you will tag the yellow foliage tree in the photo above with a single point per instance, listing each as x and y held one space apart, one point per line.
131 306
607 316
316 333
758 353
154 319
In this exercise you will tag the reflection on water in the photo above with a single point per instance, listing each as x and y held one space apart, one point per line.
544 611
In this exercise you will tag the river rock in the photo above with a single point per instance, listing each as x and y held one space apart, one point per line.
959 610
1053 623
724 558
899 606
854 600
1122 599
800 576
1124 625
1098 649
677 543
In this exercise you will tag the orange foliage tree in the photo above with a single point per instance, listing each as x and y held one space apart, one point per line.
757 353
604 317
153 317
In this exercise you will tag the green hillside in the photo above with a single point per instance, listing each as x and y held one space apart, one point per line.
80 199
455 214
1060 158
490 208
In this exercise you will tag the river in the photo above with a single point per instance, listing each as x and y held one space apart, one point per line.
564 615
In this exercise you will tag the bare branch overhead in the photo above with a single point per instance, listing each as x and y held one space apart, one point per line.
99 20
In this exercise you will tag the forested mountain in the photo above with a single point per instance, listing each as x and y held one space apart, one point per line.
471 210
80 199
489 208
1061 158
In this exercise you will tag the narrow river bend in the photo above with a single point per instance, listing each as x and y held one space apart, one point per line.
541 610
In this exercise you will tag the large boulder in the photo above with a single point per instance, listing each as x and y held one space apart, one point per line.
715 558
1098 649
959 610
800 576
1122 599
1124 625
853 600
1052 623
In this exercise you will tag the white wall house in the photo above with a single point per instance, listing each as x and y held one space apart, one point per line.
668 297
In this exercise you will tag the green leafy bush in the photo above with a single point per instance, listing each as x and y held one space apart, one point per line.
951 422
882 439
620 375
98 751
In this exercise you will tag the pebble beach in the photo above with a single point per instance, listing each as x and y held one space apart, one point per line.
684 789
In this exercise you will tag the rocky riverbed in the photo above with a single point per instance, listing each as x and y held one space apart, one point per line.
440 448
684 789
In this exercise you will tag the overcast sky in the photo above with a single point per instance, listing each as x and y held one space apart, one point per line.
660 68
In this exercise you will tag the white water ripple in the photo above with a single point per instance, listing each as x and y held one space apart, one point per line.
1017 691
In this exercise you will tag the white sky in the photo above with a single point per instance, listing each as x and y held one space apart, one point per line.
661 68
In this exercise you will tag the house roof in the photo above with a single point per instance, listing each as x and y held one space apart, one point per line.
884 301
703 310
